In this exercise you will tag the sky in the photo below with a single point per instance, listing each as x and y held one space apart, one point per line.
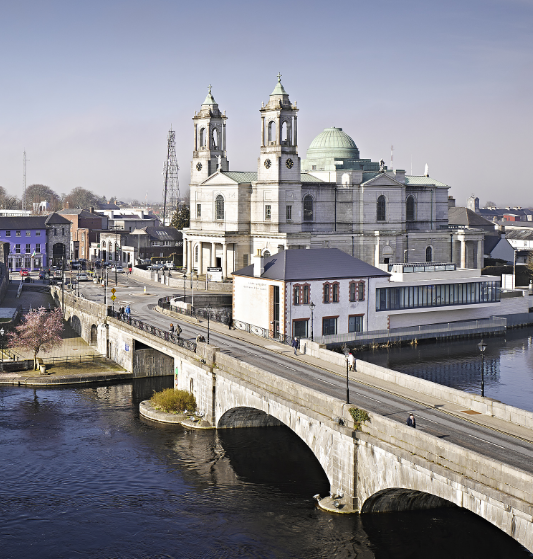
90 89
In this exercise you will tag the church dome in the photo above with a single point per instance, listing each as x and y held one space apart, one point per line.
333 143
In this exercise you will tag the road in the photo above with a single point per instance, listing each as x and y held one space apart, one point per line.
496 445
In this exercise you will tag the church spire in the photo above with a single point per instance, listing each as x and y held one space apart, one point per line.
279 89
209 100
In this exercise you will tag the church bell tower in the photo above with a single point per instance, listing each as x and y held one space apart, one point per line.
279 159
209 153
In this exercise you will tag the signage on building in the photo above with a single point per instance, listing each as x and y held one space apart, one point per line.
126 347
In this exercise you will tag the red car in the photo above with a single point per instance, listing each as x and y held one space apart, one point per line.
24 272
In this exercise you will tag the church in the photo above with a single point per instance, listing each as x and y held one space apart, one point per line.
331 199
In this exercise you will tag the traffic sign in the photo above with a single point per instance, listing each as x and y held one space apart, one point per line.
113 297
113 291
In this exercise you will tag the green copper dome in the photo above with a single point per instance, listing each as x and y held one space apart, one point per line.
333 143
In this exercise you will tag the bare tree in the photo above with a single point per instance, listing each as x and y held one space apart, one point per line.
81 198
36 193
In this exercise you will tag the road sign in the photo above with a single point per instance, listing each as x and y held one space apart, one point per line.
113 291
113 297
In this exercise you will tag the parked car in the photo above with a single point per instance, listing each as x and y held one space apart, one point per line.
82 277
24 272
43 274
155 267
118 269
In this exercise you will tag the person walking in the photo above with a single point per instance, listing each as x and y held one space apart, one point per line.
178 330
295 346
171 328
351 361
411 421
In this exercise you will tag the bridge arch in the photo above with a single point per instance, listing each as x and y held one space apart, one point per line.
399 499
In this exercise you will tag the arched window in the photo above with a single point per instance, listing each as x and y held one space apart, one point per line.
285 133
381 213
410 209
326 292
191 386
202 137
219 207
308 208
429 254
215 138
271 131
103 244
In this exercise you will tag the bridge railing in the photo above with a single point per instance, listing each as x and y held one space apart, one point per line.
154 330
263 332
218 315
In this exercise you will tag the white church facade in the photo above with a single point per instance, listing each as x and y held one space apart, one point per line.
331 199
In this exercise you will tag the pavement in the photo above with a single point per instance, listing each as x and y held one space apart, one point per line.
489 422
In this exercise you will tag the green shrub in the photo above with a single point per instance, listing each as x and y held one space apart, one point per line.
359 416
171 400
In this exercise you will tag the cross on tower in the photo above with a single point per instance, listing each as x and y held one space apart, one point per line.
209 88
279 77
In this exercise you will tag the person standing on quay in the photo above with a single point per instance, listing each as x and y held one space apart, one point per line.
411 421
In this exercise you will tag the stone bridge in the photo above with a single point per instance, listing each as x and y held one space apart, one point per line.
384 466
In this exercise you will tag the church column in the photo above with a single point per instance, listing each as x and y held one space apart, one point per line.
195 137
262 131
278 130
189 256
295 133
224 260
184 252
480 255
224 136
463 252
200 262
213 255
208 137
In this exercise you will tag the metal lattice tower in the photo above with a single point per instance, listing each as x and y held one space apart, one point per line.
24 180
171 192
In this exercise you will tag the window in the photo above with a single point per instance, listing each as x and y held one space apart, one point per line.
297 295
38 248
17 249
329 325
335 292
357 291
353 292
361 291
196 249
28 248
28 233
103 244
219 207
429 254
327 289
306 292
202 137
245 260
288 213
198 210
271 131
308 208
17 233
410 209
55 231
266 254
355 323
8 233
313 167
300 328
381 214
62 230
37 233
268 212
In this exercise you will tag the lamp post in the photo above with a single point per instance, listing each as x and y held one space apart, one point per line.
482 347
346 352
208 314
312 307
2 332
184 285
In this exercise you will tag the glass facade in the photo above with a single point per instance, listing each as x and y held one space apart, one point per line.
414 297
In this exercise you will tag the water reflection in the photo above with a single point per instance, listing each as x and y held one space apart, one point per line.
508 365
83 475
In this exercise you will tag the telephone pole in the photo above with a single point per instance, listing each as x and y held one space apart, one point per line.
171 192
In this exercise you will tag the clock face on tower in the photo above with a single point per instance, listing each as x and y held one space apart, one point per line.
289 163
268 163
198 166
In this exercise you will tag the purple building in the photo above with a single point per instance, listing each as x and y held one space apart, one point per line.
36 242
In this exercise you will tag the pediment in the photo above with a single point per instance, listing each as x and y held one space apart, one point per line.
383 179
219 179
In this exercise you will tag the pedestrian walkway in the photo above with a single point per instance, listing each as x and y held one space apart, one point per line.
417 398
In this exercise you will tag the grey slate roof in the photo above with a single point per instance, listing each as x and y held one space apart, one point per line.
78 211
164 233
246 177
32 221
519 234
56 219
466 217
313 264
490 243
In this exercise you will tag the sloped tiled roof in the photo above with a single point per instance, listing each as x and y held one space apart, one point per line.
468 218
56 219
415 180
249 177
164 233
519 234
313 264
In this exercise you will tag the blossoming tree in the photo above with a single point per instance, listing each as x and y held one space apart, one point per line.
40 331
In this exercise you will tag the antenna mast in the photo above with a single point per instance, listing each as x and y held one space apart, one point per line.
171 192
24 181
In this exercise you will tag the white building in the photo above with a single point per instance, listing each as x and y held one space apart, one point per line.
306 293
331 199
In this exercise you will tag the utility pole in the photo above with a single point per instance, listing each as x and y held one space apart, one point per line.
24 180
171 192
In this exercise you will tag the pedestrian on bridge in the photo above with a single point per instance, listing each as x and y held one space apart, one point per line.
411 421
351 361
295 346
171 328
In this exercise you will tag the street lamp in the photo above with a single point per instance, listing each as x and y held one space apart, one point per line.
312 307
184 285
208 313
482 347
2 332
346 352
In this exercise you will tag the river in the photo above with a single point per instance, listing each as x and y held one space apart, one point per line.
82 475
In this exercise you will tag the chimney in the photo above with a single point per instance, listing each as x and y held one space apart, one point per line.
259 264
91 209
